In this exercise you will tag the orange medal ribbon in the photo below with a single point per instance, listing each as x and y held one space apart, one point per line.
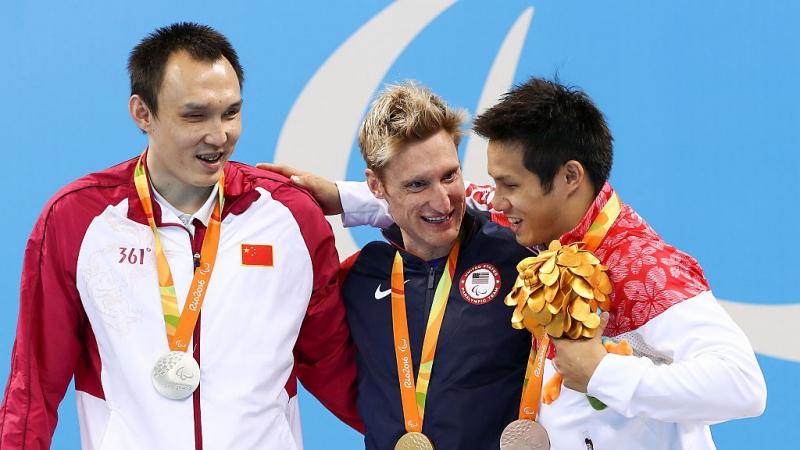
413 394
534 373
181 326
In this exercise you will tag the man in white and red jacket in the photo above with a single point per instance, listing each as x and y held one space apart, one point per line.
550 154
90 303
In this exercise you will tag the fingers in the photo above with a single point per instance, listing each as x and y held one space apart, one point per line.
324 191
301 181
298 177
268 166
603 323
554 362
282 169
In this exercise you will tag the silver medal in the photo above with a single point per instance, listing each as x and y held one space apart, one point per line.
176 375
524 434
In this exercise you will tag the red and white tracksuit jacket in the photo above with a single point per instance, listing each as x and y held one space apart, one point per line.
90 307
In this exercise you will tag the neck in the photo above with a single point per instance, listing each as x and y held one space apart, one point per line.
426 252
576 207
185 198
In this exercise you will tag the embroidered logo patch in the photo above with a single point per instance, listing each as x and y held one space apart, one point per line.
257 255
480 284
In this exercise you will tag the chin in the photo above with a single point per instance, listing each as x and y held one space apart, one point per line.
526 241
207 183
445 239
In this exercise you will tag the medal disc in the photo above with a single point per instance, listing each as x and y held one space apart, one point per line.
176 375
414 441
524 434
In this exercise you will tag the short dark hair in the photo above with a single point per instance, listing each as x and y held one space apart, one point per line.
554 124
148 60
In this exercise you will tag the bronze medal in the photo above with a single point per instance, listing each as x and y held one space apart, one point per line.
413 441
524 434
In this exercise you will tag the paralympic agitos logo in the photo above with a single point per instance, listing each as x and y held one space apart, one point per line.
334 100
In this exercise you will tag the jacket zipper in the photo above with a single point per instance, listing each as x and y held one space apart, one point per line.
197 243
429 296
431 277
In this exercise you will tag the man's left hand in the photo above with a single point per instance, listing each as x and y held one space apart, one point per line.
577 359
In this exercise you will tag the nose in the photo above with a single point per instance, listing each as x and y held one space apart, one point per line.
217 133
500 201
441 199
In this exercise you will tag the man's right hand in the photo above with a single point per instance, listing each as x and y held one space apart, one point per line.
324 191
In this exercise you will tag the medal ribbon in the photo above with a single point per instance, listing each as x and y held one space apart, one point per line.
181 326
413 394
534 373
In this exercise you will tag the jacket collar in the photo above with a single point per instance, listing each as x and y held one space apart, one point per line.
577 233
136 212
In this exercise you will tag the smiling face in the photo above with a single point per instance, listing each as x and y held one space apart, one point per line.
196 129
423 186
536 216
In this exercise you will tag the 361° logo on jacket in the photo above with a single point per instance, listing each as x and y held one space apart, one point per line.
480 284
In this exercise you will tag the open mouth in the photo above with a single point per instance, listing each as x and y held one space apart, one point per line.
438 219
514 220
210 157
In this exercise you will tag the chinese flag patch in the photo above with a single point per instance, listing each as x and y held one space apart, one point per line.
257 255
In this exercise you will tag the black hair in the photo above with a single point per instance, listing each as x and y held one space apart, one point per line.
149 58
554 124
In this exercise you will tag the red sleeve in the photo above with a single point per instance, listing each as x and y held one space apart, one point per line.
48 340
480 197
324 353
346 265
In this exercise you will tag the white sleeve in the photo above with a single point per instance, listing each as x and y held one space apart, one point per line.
713 375
360 207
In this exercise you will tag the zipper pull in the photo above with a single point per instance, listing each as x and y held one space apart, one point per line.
197 260
431 277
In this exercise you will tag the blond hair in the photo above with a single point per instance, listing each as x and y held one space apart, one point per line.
402 114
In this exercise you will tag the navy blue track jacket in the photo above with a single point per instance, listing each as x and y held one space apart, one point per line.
479 367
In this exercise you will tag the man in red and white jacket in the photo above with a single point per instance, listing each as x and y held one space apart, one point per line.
90 303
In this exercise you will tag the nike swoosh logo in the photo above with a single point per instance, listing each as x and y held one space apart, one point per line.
379 294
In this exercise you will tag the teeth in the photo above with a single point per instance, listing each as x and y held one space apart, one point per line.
436 219
514 221
211 157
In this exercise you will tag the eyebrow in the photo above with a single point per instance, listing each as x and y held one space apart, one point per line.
204 106
413 180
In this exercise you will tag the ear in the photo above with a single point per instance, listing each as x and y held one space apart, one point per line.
140 113
375 184
573 175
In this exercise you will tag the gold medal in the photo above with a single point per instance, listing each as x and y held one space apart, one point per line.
524 434
413 441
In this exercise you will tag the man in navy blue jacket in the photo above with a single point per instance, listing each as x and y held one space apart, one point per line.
409 141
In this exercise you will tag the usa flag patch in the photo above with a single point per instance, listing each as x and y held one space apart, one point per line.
480 284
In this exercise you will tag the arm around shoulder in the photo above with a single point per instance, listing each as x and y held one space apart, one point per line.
360 207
